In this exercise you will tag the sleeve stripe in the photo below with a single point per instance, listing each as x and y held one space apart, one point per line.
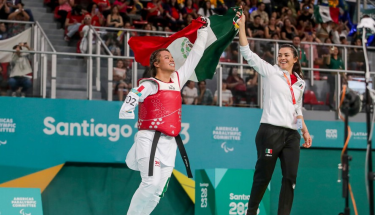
136 92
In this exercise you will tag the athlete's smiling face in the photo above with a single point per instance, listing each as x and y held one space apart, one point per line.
166 62
286 59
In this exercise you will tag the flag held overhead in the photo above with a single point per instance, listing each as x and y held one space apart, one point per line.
221 32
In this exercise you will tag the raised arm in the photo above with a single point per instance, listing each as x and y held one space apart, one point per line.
134 97
261 66
195 55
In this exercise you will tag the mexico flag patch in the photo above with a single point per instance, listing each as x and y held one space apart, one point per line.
268 152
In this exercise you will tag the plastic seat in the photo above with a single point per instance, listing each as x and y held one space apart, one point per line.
310 97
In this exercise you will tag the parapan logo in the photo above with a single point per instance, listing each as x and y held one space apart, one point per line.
88 129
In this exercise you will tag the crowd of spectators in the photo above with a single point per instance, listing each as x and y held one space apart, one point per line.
291 21
15 76
13 10
287 20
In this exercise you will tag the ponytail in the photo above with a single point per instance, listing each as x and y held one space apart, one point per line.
296 66
155 57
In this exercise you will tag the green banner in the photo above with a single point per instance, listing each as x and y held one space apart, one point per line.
24 201
226 191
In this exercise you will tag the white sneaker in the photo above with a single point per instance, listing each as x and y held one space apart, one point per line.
22 95
14 94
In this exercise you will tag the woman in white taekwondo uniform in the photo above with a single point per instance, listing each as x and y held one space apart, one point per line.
159 124
277 136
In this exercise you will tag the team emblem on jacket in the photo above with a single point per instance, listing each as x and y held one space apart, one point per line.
301 86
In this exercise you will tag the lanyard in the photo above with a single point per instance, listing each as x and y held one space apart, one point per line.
291 89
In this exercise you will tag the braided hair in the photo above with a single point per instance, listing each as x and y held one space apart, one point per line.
155 57
296 66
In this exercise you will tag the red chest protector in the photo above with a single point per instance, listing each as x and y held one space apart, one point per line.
162 111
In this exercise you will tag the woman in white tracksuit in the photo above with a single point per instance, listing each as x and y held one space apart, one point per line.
277 136
159 119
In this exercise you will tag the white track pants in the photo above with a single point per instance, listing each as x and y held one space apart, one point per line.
151 188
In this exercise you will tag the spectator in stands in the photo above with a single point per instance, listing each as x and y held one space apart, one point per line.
73 22
309 4
17 15
4 9
97 18
356 56
86 22
305 21
189 19
325 49
119 76
155 13
343 40
219 6
257 30
237 85
190 8
114 19
334 61
339 30
286 13
83 30
15 5
190 93
271 28
123 6
173 14
226 95
20 68
294 7
204 95
310 37
128 67
3 31
206 9
231 53
104 6
288 31
269 50
128 25
323 32
136 11
302 55
65 6
261 13
113 44
147 27
252 87
3 82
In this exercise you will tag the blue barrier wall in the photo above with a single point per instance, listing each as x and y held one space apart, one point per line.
36 134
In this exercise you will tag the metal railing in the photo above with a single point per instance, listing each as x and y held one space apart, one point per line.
41 41
241 65
42 44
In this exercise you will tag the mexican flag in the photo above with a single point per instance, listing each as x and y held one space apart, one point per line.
220 34
324 14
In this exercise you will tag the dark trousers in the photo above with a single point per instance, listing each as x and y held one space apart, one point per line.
16 82
331 80
285 144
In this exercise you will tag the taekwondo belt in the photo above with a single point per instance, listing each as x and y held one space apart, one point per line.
181 148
